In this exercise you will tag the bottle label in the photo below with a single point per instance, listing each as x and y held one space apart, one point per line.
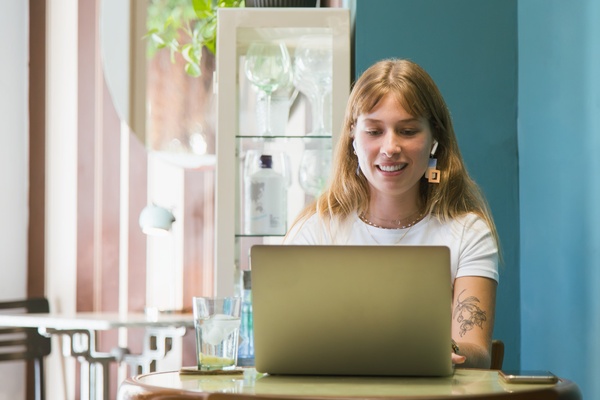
266 204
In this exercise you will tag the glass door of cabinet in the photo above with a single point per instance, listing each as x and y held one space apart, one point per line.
282 79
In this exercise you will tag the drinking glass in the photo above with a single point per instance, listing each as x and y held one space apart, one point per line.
315 166
267 67
313 74
217 325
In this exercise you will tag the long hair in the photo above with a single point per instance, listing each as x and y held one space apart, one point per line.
417 93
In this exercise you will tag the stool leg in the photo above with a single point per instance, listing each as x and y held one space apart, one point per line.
38 365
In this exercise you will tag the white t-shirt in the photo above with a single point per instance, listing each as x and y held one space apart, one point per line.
473 250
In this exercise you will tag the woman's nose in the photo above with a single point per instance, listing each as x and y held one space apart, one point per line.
391 145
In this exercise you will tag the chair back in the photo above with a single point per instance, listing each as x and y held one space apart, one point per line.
25 343
497 354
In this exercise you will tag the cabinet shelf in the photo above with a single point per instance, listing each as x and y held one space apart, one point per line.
276 137
242 235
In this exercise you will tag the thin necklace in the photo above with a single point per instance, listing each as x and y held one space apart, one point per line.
364 218
409 226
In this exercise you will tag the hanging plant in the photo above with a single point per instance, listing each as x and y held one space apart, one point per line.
185 27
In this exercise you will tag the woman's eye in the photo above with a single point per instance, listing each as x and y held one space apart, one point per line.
409 132
372 132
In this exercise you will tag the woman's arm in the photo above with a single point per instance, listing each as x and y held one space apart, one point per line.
473 309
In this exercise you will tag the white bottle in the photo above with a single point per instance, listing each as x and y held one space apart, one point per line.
265 200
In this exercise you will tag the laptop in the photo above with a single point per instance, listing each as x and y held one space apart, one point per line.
352 310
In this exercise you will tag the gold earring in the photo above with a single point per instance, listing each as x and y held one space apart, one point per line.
433 174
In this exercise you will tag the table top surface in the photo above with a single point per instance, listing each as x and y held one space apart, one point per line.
463 382
96 320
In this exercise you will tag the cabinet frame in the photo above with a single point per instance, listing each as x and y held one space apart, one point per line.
229 45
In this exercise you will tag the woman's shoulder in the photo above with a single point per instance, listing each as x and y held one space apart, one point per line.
316 229
466 220
300 229
471 230
464 226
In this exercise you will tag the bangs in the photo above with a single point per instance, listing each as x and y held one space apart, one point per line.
366 101
411 99
405 92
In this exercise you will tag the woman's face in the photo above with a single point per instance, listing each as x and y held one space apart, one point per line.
393 148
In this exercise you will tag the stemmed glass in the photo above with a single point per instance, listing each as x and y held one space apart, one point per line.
313 75
315 167
267 67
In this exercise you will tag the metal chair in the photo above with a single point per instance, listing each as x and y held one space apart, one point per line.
497 354
26 343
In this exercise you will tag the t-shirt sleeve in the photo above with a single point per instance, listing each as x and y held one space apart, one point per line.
304 232
478 251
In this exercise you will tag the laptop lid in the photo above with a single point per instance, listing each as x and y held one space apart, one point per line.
352 310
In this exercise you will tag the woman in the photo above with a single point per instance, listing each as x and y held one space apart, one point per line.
399 179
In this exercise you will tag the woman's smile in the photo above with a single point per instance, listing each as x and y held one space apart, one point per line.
391 167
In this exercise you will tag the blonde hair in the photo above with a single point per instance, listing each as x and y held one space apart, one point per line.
348 192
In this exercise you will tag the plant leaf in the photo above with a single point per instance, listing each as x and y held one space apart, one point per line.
150 33
211 46
203 8
193 70
189 20
156 38
190 54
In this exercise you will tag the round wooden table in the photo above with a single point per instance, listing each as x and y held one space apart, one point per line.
250 385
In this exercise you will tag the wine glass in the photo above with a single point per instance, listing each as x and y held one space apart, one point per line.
315 166
313 75
281 101
267 67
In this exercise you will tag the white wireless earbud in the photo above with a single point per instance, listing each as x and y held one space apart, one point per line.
434 148
357 159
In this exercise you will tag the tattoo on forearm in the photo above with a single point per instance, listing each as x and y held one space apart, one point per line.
468 313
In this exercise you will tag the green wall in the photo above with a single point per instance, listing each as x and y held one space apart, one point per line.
470 49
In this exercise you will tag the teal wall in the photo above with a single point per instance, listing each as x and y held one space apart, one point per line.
559 149
470 49
545 192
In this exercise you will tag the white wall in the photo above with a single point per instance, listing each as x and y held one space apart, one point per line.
14 171
14 129
61 182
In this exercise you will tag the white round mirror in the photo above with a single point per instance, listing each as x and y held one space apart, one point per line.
153 90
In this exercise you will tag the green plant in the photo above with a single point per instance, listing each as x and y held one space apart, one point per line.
185 27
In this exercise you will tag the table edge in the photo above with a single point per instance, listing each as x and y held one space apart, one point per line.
564 389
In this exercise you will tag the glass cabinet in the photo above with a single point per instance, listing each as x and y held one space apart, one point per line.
282 81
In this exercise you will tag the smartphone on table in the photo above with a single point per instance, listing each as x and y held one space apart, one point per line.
527 376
